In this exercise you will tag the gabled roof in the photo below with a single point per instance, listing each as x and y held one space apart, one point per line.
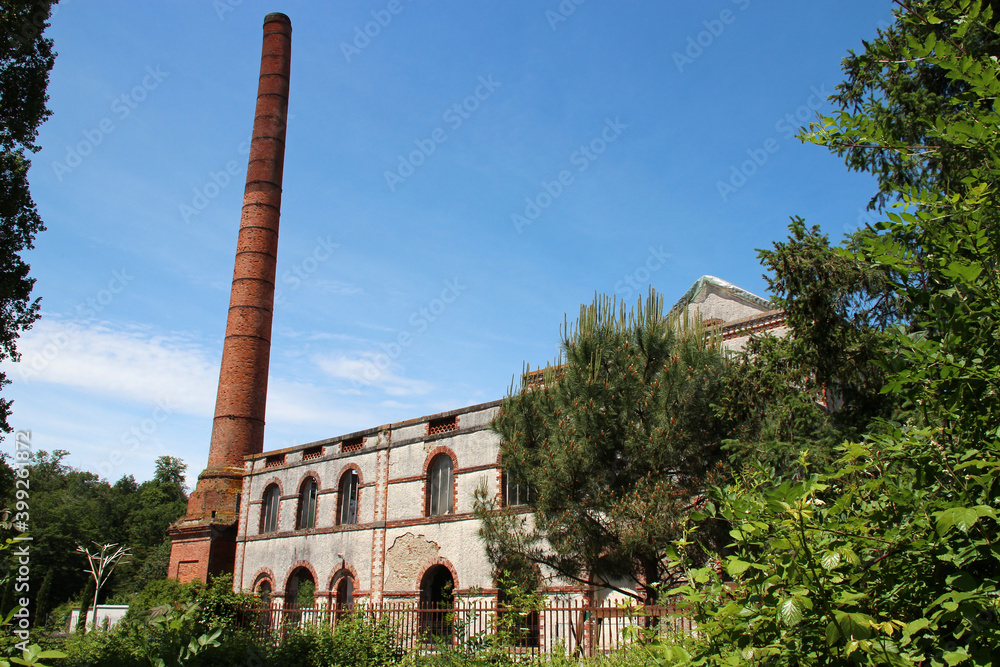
718 299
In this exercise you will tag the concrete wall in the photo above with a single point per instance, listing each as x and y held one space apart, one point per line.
106 614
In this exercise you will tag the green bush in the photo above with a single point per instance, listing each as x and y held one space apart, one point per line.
356 640
161 592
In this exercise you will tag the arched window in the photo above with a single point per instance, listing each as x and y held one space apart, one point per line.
437 601
269 509
343 592
305 517
347 499
440 486
264 593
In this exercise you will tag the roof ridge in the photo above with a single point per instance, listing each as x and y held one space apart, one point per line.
735 290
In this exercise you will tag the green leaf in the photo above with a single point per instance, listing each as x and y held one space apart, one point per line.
962 518
830 560
790 611
735 567
854 625
832 633
916 626
52 653
955 657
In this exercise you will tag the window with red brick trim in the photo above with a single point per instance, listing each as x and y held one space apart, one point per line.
269 509
515 490
347 499
440 486
305 516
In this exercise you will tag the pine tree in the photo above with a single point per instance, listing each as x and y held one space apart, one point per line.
43 601
85 601
617 447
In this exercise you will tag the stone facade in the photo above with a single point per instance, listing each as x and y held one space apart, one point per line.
395 540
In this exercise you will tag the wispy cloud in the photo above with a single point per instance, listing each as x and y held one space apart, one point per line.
131 363
364 370
137 365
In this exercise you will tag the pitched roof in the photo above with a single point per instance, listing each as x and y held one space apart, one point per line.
715 298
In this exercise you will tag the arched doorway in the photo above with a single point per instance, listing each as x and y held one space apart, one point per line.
342 593
300 593
437 601
264 591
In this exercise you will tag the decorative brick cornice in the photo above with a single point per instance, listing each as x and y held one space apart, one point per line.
772 319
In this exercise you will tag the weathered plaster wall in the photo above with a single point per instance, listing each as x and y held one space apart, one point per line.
413 542
406 559
715 303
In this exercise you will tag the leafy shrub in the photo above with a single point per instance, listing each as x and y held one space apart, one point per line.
356 640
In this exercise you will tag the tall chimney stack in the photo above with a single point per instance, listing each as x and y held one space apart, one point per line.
204 540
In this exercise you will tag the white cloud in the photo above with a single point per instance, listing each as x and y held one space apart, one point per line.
127 362
374 370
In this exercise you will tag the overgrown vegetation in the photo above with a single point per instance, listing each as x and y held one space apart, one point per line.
889 555
71 507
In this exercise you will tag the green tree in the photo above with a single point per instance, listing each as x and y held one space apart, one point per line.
900 95
25 61
617 446
70 507
889 557
821 383
170 470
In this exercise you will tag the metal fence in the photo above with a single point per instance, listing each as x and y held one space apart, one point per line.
571 627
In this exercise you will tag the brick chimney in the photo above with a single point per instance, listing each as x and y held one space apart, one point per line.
204 540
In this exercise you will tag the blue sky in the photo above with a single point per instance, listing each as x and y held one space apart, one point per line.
458 177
